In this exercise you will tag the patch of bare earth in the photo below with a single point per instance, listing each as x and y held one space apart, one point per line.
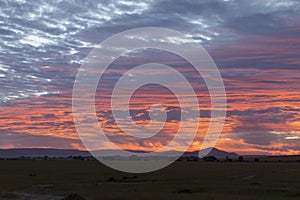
27 196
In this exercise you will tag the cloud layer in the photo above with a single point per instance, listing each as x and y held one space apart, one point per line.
255 44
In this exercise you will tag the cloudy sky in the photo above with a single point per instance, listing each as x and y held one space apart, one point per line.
255 44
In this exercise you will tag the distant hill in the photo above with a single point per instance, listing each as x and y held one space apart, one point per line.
42 152
212 152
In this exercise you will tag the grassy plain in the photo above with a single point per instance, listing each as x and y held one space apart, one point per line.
181 180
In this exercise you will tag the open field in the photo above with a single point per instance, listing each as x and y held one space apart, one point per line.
54 179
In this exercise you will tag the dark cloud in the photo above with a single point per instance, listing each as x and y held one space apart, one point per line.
24 140
259 127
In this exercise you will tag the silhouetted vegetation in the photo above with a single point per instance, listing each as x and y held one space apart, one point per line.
181 180
209 158
241 159
185 191
73 197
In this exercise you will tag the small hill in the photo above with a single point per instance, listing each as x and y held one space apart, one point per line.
42 152
212 152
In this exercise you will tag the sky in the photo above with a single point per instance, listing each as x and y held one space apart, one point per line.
255 44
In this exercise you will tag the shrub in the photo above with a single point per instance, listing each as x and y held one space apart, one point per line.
241 158
73 197
209 158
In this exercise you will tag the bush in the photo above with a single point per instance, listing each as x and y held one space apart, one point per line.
209 158
73 197
185 191
241 158
228 160
111 179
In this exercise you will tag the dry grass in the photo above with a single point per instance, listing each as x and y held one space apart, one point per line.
181 180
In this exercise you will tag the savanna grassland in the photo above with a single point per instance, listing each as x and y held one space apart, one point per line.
56 179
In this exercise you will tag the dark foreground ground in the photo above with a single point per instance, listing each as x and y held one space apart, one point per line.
55 179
